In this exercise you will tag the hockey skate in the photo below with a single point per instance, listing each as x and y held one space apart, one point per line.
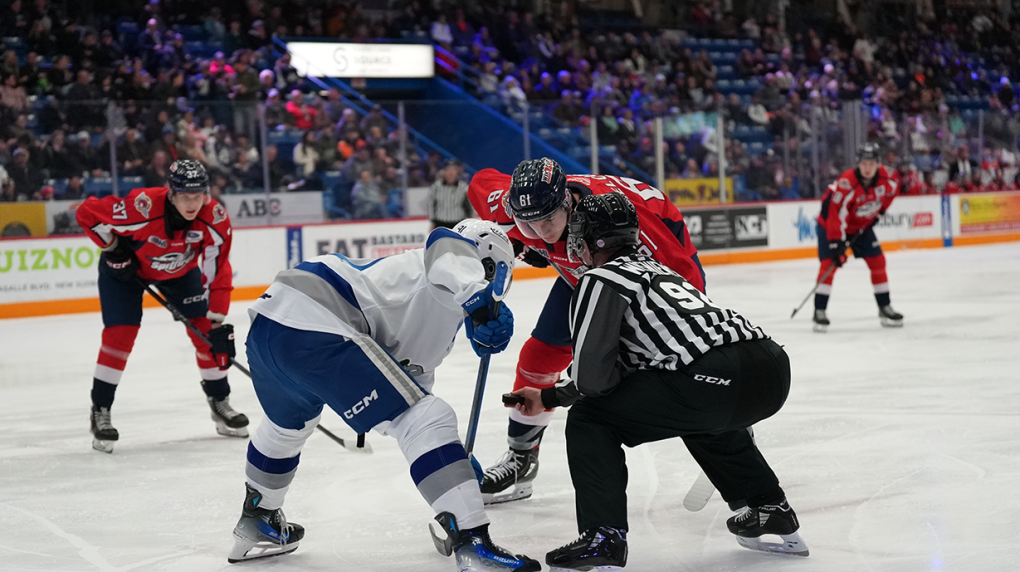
510 478
104 436
778 519
603 549
475 551
261 533
890 318
821 321
228 421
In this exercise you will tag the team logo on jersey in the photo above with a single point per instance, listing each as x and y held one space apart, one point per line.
172 262
880 191
193 236
505 201
157 240
143 204
844 184
219 214
868 209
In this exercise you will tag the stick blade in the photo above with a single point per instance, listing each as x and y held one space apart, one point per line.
701 491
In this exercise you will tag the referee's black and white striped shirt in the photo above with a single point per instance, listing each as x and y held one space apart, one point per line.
449 203
634 313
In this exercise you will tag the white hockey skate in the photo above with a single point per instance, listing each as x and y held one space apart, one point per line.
104 436
228 421
772 519
510 478
261 533
821 321
890 318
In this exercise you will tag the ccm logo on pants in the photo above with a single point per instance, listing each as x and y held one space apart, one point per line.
361 405
710 379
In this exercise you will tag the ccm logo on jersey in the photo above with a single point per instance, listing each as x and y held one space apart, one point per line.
362 405
712 380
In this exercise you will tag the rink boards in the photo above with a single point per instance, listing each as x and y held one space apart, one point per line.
57 275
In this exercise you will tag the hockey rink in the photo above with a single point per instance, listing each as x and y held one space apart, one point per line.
899 449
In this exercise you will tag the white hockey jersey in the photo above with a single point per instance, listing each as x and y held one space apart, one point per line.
409 303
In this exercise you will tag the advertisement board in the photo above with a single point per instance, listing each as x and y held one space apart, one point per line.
686 192
47 269
365 239
279 208
22 219
989 212
336 59
794 223
737 227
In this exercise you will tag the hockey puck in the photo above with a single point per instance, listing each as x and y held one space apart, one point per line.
510 399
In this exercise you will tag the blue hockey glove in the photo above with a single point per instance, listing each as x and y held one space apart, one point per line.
492 336
479 306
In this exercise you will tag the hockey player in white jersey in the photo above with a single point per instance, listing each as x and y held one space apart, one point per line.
365 338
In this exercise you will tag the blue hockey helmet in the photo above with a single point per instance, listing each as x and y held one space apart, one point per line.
538 189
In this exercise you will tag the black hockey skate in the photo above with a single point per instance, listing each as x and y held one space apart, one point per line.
510 478
475 551
261 533
890 318
778 519
603 549
228 421
104 436
821 321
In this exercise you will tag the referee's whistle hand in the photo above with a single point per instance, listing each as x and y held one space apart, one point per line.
532 405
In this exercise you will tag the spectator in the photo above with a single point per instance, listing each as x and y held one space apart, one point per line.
132 154
13 96
86 157
219 149
245 174
348 122
277 115
567 111
56 158
26 177
306 156
512 94
349 145
279 176
75 190
155 174
334 107
374 117
440 31
245 93
963 167
244 147
302 116
367 198
360 161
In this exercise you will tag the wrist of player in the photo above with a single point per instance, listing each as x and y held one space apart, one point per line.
221 344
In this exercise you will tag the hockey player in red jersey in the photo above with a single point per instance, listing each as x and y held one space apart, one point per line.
851 207
533 206
158 236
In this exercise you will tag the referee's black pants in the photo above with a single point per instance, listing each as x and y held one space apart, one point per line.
709 404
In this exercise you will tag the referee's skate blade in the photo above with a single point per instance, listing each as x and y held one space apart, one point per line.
103 445
245 550
520 491
792 544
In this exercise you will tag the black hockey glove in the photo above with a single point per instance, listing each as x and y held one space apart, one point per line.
221 341
121 263
535 259
837 251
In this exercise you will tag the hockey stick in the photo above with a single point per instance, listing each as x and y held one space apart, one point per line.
827 273
483 372
362 446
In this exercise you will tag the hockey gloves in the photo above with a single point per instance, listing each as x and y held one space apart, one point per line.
221 342
492 336
120 262
837 251
533 258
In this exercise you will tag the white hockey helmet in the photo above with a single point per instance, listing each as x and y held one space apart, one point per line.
493 246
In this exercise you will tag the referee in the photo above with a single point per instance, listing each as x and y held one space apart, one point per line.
448 202
654 358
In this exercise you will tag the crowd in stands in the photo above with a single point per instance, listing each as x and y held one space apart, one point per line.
155 83
72 86
921 87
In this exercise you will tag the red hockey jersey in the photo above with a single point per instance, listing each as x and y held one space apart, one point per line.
847 206
162 253
663 234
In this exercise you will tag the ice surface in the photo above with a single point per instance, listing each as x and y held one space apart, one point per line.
899 449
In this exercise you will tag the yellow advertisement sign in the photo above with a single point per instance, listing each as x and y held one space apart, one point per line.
687 192
22 219
989 212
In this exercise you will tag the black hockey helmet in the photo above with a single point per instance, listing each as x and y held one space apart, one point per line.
537 189
601 222
869 152
187 176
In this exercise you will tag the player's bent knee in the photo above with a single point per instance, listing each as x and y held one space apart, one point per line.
426 425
